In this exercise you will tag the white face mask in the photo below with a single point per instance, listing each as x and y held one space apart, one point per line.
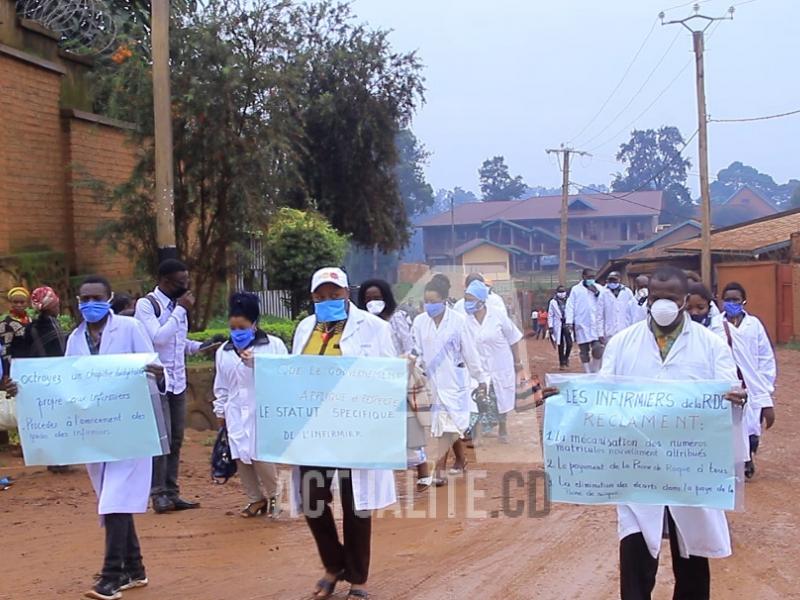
664 312
561 295
641 293
376 307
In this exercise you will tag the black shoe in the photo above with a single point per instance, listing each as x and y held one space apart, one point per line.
105 589
181 504
749 469
137 579
162 504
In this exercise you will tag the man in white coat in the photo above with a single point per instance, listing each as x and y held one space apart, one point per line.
613 312
669 345
122 486
582 318
339 328
754 335
560 334
637 309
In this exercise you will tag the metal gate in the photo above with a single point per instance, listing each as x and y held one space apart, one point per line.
251 276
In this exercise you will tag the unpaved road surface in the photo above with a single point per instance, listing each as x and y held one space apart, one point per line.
460 544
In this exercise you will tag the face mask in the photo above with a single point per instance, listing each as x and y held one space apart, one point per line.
434 309
376 307
472 306
732 309
94 310
561 295
588 282
242 338
613 285
642 293
704 320
179 292
330 311
664 312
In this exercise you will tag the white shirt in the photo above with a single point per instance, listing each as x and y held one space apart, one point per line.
637 306
494 338
582 308
696 354
448 353
614 311
235 394
168 334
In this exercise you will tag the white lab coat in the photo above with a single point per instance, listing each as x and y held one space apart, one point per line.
364 335
759 346
554 320
697 354
122 486
582 309
637 309
492 300
613 312
235 394
494 338
448 352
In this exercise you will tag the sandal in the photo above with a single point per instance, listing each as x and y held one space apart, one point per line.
358 593
254 509
326 587
423 483
458 470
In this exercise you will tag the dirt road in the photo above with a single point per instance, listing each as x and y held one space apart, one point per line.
52 544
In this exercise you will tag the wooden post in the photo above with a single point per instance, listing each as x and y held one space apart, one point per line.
702 123
162 112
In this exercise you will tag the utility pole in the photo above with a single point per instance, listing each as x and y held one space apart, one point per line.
562 243
698 39
453 228
162 112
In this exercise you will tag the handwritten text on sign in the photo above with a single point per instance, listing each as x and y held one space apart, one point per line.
620 441
85 409
331 411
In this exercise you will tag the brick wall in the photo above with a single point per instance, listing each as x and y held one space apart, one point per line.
32 178
100 152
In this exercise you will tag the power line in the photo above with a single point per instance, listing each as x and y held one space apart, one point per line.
636 94
619 83
750 119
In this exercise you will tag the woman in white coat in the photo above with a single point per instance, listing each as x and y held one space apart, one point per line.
235 401
339 328
447 351
123 486
497 340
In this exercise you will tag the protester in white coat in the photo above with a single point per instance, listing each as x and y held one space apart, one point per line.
235 401
752 331
122 486
582 318
339 328
670 346
447 351
497 340
493 300
614 310
560 333
637 309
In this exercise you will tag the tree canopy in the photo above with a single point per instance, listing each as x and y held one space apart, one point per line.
654 162
497 182
737 175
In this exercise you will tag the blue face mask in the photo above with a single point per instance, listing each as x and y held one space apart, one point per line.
588 282
434 309
613 285
472 306
704 320
732 309
242 338
330 311
94 311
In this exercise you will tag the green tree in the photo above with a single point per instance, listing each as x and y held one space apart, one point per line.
416 192
298 243
497 183
794 202
654 162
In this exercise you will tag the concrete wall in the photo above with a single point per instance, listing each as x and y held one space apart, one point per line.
491 261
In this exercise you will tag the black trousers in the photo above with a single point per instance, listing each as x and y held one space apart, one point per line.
638 569
564 346
350 558
165 468
123 554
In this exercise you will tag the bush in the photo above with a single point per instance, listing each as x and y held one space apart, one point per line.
281 328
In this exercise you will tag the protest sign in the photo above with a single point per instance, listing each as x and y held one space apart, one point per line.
617 440
85 409
331 411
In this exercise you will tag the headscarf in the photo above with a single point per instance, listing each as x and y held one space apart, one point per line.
478 289
18 291
244 304
44 297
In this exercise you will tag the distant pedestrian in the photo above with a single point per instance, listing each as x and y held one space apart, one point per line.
535 322
581 314
560 334
542 319
124 305
12 327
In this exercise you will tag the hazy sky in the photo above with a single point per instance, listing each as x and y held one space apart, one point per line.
513 77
